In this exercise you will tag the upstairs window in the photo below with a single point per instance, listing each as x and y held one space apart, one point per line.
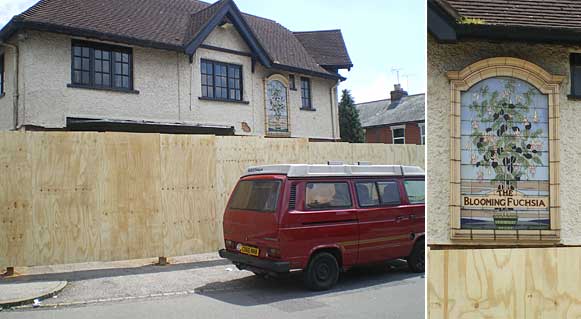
291 80
98 65
306 93
575 60
1 74
398 134
221 81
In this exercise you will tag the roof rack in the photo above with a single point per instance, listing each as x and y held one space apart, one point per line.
320 170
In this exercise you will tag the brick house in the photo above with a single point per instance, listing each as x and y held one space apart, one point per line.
180 66
398 120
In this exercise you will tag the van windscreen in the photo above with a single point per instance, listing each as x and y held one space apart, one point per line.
256 195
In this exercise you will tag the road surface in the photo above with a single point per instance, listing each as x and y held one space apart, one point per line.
370 292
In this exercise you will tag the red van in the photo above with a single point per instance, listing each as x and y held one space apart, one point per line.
324 219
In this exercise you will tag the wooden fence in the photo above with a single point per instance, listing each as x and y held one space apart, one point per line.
76 197
504 283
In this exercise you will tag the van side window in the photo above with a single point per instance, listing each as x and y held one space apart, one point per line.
367 194
388 193
327 195
416 191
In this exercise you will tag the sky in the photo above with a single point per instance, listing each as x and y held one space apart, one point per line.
381 36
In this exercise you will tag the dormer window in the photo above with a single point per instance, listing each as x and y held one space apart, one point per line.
221 81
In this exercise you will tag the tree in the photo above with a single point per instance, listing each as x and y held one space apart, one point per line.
349 123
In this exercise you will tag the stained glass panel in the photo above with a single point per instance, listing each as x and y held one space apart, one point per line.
504 156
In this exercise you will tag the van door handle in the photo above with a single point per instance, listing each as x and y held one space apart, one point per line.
412 216
398 219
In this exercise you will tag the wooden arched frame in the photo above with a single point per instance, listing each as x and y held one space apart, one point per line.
546 83
285 82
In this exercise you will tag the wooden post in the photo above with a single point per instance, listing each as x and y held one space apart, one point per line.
162 261
9 272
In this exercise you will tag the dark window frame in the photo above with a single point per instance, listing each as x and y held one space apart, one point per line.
213 86
307 208
306 94
2 72
292 82
574 63
112 51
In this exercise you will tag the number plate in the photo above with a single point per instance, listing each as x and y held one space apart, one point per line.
252 251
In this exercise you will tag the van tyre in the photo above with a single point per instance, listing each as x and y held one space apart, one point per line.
417 259
322 272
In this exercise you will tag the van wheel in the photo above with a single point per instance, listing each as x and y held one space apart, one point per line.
417 259
322 272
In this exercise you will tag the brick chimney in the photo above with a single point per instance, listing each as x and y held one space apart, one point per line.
397 93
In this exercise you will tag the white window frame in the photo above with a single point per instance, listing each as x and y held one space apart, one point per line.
422 127
393 138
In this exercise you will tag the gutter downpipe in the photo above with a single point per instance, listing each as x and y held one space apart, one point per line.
334 98
16 92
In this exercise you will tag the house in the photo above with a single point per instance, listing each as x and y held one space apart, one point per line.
504 87
182 66
398 120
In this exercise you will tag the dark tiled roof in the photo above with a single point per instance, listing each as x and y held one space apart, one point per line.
377 113
327 47
562 14
167 24
282 46
200 18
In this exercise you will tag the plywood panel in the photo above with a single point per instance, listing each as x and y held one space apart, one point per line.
233 156
389 154
132 220
188 194
505 283
322 152
64 188
437 291
283 151
16 226
74 197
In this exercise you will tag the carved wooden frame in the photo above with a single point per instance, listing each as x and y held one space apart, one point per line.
547 84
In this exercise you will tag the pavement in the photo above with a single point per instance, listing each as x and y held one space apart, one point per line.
16 294
202 286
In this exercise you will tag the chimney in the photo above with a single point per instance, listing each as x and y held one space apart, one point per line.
397 93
